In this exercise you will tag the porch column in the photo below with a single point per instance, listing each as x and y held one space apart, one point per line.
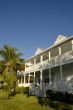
29 78
34 77
49 55
72 44
60 63
41 59
61 72
34 61
59 50
49 69
41 72
50 75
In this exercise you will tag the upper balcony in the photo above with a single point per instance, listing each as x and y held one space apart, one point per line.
55 61
54 56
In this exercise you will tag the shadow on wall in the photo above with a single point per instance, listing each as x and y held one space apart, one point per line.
54 104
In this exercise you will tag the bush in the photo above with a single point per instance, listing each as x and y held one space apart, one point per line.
68 97
19 89
24 90
12 93
56 95
49 93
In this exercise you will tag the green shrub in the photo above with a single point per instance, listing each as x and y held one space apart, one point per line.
19 89
57 95
49 93
68 97
24 90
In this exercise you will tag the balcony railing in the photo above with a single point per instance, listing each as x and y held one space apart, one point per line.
67 56
33 67
53 61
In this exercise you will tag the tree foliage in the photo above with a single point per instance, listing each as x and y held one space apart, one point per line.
9 64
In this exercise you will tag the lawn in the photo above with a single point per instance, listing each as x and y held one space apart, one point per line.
24 102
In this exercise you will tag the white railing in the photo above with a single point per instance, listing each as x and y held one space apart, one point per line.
37 66
61 85
53 61
67 56
33 67
45 63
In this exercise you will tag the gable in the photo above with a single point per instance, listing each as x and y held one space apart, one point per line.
60 38
39 50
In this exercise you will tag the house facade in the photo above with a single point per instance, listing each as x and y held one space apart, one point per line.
50 68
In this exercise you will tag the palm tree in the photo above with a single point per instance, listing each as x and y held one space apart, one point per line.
11 57
11 62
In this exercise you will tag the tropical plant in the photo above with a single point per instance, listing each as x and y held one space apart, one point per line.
11 62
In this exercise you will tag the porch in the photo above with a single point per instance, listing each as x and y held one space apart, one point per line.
58 78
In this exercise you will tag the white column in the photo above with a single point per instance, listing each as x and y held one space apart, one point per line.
72 44
34 77
49 55
59 50
34 61
41 72
50 75
29 78
61 71
41 58
60 63
49 69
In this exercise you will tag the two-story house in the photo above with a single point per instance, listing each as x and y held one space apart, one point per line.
50 68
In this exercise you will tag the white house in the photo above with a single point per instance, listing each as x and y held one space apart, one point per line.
50 68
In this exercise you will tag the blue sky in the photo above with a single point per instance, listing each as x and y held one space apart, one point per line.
29 24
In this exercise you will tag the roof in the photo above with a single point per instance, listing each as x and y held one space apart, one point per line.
60 39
